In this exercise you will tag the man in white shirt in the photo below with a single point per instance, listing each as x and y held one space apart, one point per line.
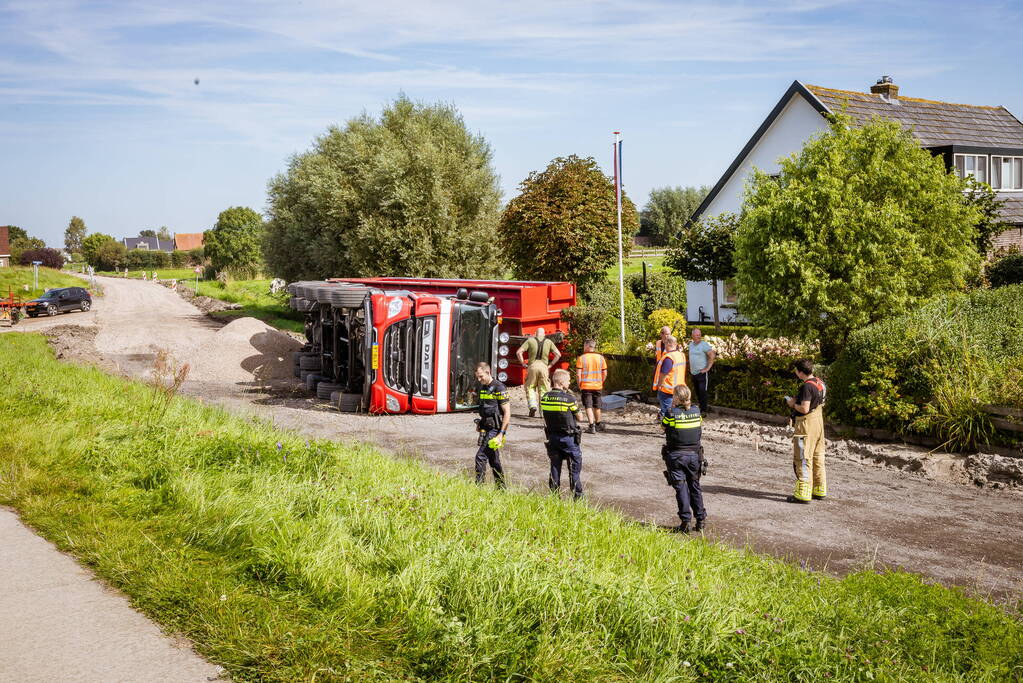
701 360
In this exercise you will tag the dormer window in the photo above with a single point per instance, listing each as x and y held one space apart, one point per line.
973 165
1007 173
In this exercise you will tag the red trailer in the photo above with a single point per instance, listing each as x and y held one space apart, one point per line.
524 305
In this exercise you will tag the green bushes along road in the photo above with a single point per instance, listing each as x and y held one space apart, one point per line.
285 559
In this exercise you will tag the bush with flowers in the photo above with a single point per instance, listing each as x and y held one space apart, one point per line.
756 373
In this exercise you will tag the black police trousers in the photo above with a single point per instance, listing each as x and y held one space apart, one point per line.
683 475
485 455
560 449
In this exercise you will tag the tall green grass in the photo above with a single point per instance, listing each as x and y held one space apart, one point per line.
255 300
285 559
14 278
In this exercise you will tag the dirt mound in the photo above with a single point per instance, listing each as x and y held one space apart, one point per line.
245 350
77 343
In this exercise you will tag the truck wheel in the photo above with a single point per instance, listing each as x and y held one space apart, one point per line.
312 379
325 389
347 296
349 403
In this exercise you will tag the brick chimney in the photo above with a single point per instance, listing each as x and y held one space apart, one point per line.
886 89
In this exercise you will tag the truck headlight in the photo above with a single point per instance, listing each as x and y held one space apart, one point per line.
503 337
392 404
503 363
502 377
503 350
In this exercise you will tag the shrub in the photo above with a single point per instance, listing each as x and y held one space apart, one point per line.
109 255
1007 270
144 259
906 373
178 258
51 258
663 290
585 322
665 317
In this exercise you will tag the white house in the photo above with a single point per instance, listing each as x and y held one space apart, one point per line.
983 141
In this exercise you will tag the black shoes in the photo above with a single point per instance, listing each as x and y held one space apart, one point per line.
532 412
592 429
681 529
699 525
601 427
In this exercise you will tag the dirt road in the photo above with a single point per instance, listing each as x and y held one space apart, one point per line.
876 516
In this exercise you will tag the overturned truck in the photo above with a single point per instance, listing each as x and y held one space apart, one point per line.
379 350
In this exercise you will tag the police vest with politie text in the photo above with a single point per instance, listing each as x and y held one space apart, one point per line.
559 409
492 397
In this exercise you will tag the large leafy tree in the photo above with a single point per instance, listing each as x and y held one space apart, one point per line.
110 255
22 242
668 210
563 224
91 246
74 234
862 224
704 251
235 242
411 193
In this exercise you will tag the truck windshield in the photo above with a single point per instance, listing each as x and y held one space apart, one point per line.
473 345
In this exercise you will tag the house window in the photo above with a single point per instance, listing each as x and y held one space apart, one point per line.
1007 173
972 164
731 298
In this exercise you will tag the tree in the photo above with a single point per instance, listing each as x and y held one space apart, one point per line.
91 245
411 193
704 251
51 258
862 224
163 234
74 234
148 232
109 256
668 211
14 232
563 225
235 242
20 245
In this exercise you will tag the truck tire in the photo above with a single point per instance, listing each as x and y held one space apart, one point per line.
298 371
322 293
348 403
313 379
325 389
311 362
350 296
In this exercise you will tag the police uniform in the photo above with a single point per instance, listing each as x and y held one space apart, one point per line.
682 455
559 415
493 397
808 443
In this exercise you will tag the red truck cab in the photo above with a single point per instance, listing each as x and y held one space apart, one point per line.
524 305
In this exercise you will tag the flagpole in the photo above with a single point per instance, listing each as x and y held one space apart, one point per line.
618 198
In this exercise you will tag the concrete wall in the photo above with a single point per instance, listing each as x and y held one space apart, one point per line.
796 123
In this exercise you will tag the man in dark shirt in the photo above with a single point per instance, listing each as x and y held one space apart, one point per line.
683 457
492 424
560 415
808 435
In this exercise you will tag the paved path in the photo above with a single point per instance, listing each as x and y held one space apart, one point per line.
57 623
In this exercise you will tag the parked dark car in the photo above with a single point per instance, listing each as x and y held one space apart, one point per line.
59 300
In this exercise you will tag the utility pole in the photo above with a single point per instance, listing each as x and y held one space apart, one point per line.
617 155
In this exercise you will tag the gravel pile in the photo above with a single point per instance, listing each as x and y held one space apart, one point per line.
244 350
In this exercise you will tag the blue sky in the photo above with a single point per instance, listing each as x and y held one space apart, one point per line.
101 116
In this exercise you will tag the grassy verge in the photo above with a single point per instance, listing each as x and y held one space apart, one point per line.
284 559
635 265
255 300
16 277
162 273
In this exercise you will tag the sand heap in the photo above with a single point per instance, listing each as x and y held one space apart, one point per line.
245 350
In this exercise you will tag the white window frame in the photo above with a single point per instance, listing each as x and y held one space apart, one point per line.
977 160
1015 164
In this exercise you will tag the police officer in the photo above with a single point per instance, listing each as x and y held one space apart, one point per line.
808 435
683 456
492 424
560 413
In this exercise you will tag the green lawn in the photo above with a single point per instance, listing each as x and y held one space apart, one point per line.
255 299
162 273
16 277
635 265
285 559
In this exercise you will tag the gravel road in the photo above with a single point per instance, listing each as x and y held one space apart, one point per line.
877 516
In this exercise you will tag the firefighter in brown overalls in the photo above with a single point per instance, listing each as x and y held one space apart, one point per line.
808 436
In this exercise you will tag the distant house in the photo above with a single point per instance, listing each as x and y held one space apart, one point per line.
186 241
5 246
150 243
981 141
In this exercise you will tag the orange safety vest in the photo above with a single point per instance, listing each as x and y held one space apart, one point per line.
590 368
659 351
675 376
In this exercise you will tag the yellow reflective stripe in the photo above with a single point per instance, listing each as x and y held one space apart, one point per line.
500 395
